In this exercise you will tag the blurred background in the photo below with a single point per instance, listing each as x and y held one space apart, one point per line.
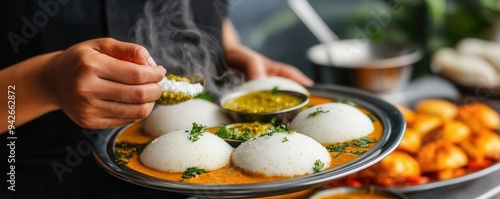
272 28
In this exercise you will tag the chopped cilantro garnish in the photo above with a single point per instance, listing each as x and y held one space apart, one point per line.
274 90
227 133
337 155
335 148
358 152
341 148
285 139
273 121
318 111
192 172
318 166
282 129
196 132
128 150
120 154
363 142
224 132
205 95
279 129
246 135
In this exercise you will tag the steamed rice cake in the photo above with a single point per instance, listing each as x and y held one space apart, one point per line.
175 152
164 119
332 123
281 154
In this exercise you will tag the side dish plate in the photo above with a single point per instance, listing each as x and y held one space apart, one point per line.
453 181
391 119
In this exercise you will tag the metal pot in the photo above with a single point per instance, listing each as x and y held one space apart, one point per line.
372 66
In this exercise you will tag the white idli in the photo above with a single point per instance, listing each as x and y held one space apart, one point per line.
273 156
268 83
164 119
336 123
174 152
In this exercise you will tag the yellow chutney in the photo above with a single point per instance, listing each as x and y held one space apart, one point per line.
262 102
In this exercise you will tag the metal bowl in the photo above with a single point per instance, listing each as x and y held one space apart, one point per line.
368 65
281 117
391 119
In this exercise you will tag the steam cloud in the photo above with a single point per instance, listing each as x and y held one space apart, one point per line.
168 31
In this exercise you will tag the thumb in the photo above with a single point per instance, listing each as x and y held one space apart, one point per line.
125 51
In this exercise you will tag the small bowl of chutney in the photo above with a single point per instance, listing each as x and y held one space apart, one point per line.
265 106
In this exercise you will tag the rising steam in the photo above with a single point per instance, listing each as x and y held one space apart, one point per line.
168 31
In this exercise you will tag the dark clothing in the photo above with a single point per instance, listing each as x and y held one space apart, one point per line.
30 28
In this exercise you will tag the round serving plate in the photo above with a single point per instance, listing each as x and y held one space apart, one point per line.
392 120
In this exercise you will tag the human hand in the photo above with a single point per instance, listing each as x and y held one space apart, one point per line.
104 83
255 65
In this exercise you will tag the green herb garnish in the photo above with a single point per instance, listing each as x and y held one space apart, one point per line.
358 152
246 135
350 103
196 132
335 148
318 111
128 150
278 129
363 142
273 121
337 155
224 132
274 90
205 96
227 133
282 129
341 148
192 172
285 139
122 157
318 166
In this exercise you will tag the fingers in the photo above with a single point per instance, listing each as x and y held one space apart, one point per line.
125 72
123 62
288 71
256 69
136 94
257 66
125 51
117 110
104 123
246 61
108 114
